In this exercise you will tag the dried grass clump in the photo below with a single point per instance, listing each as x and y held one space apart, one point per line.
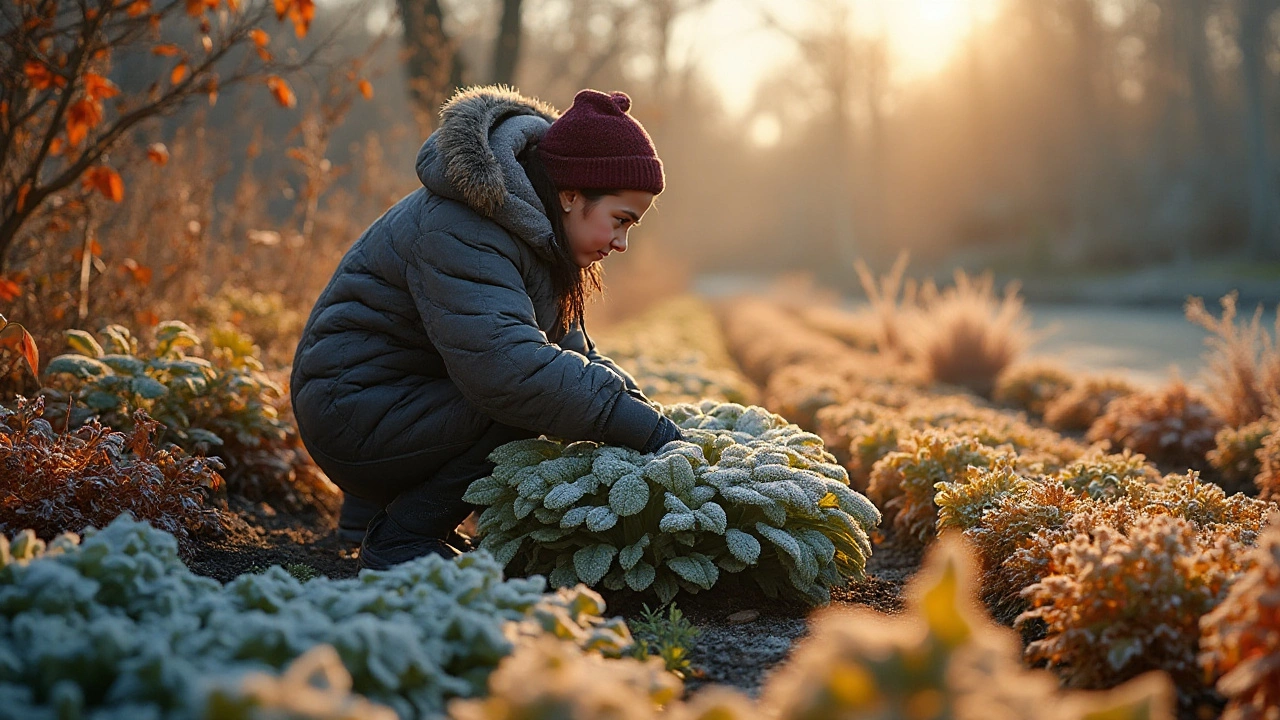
1235 455
1174 427
1032 386
967 337
1268 479
55 483
893 305
1103 475
1240 639
1244 362
903 482
1077 408
1123 603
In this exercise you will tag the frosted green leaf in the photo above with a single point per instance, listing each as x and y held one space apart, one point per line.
26 545
803 438
731 564
742 545
523 506
562 496
690 451
84 343
581 448
710 423
728 412
723 477
674 504
124 364
822 547
772 473
831 470
549 534
677 522
770 457
790 495
672 472
696 568
712 517
525 452
775 513
629 495
548 517
174 334
700 495
592 562
563 576
855 504
744 496
666 588
148 388
754 421
601 519
632 553
79 366
507 551
641 576
485 491
533 486
610 468
564 469
573 517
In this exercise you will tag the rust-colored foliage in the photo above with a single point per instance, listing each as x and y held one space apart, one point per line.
1076 409
1268 479
1240 639
1122 603
1235 456
1102 475
1244 361
902 482
1173 427
1032 386
64 482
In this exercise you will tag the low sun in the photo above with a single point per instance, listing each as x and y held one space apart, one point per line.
926 34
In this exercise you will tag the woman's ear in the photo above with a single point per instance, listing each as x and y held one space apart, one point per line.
567 198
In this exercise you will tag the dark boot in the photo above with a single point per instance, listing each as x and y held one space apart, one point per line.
355 516
387 544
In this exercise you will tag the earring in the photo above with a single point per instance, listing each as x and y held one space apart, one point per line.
566 209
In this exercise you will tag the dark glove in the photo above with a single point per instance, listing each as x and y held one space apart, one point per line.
661 435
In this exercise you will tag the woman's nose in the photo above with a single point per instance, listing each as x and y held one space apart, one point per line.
619 243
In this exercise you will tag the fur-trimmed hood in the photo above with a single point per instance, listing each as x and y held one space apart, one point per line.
471 158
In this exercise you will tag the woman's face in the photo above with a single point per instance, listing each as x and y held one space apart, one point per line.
597 229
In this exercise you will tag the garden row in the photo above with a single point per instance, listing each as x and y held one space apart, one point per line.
1111 564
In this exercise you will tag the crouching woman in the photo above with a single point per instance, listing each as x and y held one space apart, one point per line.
454 324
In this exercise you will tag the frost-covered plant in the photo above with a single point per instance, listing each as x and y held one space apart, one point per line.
940 660
963 502
1240 639
1206 505
118 621
764 339
746 492
58 482
315 686
1100 474
1077 408
799 392
1123 603
224 405
1244 362
685 378
1173 427
1268 479
1235 455
1032 386
903 483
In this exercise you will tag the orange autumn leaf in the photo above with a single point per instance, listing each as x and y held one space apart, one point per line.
9 290
179 72
138 7
38 74
30 352
282 8
366 89
259 37
302 12
141 273
158 153
82 116
22 195
281 91
55 147
98 87
107 181
166 50
147 318
195 8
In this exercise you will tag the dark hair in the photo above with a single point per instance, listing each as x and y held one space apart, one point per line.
572 285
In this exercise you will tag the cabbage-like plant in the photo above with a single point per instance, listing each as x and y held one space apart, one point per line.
746 492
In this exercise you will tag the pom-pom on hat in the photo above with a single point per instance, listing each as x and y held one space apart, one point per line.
596 145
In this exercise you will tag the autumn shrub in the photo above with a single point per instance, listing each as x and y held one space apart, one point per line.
746 492
115 625
1268 478
266 317
966 336
1174 427
1204 504
903 482
764 339
224 405
1235 454
1102 475
858 330
1240 639
1244 362
1121 603
1078 407
800 392
54 482
1032 386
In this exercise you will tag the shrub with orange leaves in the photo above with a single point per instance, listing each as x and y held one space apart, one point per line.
55 483
1103 475
1174 427
1244 361
1240 639
1119 604
1235 455
1078 407
1268 479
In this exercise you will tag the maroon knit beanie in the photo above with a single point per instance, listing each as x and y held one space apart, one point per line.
596 145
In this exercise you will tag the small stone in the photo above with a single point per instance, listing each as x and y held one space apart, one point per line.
742 617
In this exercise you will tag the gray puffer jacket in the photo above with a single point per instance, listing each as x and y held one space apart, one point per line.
440 319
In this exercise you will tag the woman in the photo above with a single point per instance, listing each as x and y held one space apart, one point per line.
454 324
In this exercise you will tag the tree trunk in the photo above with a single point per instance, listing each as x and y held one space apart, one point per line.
506 52
1264 210
432 62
